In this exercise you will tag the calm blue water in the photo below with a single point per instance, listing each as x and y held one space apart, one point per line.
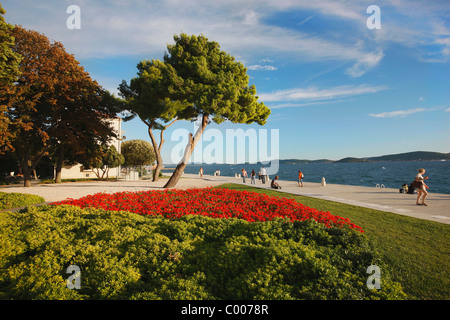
391 174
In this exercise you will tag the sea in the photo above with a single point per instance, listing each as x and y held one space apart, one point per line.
389 174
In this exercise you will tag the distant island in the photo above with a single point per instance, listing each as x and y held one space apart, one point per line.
408 156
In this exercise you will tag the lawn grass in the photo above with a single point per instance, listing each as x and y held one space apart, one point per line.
417 250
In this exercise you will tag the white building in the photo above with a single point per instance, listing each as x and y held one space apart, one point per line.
78 172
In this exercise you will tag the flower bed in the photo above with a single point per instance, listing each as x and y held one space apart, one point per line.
211 202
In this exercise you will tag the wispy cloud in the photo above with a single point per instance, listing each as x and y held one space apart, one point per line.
260 67
398 113
315 94
365 63
423 28
297 105
144 28
305 20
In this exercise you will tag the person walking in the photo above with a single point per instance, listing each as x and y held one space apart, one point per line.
300 178
244 174
201 172
422 192
253 177
263 175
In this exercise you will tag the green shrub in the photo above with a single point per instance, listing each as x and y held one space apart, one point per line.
16 200
128 256
52 181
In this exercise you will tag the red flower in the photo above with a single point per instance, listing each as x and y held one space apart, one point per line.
216 203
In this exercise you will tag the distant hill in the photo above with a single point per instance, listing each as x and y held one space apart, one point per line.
408 156
350 160
298 161
413 156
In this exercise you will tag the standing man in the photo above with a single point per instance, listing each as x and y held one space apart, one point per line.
300 178
263 175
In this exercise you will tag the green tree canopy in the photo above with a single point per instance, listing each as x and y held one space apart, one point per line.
102 159
9 60
215 86
150 96
138 153
214 83
9 72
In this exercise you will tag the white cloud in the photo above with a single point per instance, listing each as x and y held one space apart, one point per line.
296 105
314 94
399 113
422 27
447 110
445 42
251 18
348 10
144 28
305 20
260 67
365 63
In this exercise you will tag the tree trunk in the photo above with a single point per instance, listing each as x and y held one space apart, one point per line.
26 170
96 172
159 166
156 148
176 175
159 163
59 164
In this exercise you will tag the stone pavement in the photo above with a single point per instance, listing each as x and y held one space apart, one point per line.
383 199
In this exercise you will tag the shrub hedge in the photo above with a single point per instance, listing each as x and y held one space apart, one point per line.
128 256
17 200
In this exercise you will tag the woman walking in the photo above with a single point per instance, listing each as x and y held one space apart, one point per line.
244 174
421 187
253 176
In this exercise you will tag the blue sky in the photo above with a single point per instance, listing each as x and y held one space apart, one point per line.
335 87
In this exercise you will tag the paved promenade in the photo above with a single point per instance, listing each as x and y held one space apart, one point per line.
389 200
383 199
